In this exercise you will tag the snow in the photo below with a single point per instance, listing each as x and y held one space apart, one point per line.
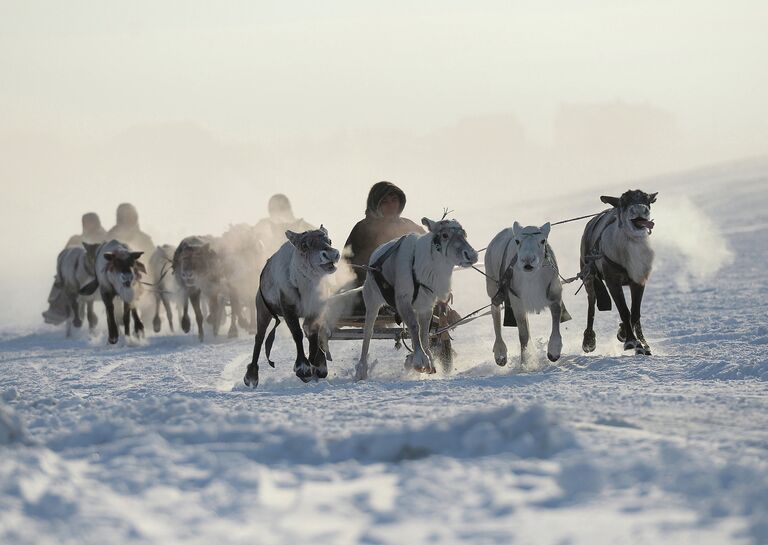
157 441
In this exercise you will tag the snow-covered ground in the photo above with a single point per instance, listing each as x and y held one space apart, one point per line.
158 442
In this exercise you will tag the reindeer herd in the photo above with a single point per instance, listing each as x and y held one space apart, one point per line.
410 275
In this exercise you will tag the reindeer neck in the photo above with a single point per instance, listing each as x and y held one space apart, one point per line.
301 275
431 267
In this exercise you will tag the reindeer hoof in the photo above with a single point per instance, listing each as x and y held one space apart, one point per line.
320 372
77 323
185 324
303 370
590 341
156 324
251 377
361 371
232 334
112 340
621 334
552 357
501 361
633 345
642 349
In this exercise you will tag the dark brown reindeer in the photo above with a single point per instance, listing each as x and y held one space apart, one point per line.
615 249
199 273
118 273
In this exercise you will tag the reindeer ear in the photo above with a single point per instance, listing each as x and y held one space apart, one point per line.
516 228
545 229
652 197
136 255
613 201
109 256
140 267
324 230
293 238
429 224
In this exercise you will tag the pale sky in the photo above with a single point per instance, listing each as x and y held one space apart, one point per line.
250 69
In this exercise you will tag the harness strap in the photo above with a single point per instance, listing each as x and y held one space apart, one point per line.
387 290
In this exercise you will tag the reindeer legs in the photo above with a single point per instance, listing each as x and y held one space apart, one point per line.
138 326
109 303
617 293
372 306
499 346
92 318
590 341
302 367
263 318
637 290
195 298
185 325
168 312
425 319
555 346
156 320
127 318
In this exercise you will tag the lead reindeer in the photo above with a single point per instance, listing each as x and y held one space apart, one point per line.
528 281
411 274
615 248
292 286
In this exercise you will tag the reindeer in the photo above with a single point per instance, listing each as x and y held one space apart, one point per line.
118 273
528 281
243 255
615 248
199 272
76 273
291 286
164 285
411 274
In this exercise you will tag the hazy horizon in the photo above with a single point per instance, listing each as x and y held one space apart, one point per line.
198 114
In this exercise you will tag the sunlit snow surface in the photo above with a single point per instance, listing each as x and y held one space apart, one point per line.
157 441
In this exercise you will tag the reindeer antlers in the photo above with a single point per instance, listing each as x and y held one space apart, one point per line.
446 212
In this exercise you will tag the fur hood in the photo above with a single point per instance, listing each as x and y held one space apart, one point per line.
377 193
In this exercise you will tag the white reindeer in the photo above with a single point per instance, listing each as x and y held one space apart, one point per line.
291 286
118 273
526 281
164 285
411 274
76 272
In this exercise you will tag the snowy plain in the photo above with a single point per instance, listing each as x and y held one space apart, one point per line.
157 441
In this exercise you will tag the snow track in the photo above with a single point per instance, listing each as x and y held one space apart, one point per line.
159 442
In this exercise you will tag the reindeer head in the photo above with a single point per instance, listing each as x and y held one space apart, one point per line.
634 208
532 248
450 240
197 263
314 247
126 271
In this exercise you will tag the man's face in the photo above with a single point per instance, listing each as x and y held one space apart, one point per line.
389 206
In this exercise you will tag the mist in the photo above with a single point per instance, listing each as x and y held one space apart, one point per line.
198 114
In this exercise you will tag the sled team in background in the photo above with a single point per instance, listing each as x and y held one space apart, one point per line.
283 268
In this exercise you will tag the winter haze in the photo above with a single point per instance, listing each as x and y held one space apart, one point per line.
198 113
